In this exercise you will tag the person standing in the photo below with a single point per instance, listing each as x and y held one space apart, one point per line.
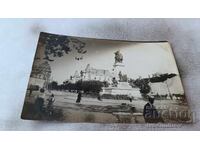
79 97
50 100
30 90
150 112
130 97
99 96
39 103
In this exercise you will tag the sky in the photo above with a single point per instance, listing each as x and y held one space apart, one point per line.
139 59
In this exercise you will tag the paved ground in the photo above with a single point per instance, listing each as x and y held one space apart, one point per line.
71 98
66 97
102 111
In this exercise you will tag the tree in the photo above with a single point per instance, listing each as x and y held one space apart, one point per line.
55 46
42 70
162 77
89 86
143 84
58 45
53 85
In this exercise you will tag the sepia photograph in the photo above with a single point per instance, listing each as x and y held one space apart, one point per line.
100 67
76 79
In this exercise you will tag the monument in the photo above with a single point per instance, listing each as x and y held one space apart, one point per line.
120 84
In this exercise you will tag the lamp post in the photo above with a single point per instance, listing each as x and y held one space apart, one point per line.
170 95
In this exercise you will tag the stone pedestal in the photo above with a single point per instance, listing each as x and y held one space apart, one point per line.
123 88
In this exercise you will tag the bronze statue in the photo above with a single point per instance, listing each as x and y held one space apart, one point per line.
118 57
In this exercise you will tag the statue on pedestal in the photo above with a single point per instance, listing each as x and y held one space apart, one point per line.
118 57
118 63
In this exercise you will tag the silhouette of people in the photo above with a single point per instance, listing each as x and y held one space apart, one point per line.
39 103
150 113
79 97
99 96
30 90
120 76
130 97
50 100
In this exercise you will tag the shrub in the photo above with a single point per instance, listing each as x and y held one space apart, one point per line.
89 86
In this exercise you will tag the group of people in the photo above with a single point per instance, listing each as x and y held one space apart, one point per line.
39 105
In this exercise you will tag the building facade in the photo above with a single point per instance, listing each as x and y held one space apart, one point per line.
90 73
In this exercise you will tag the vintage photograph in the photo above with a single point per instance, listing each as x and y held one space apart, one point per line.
76 79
